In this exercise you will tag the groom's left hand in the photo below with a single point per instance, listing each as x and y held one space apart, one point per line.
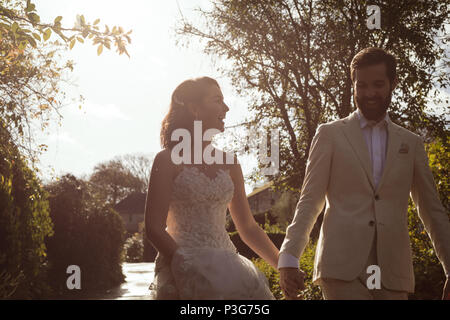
446 291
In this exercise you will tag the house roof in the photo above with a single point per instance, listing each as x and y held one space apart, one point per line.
133 204
260 189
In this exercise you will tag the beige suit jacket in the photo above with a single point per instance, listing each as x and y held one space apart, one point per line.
339 174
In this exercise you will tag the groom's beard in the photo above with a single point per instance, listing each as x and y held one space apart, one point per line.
370 112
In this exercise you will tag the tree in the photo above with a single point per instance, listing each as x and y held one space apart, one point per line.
292 58
87 234
31 67
25 26
24 225
112 182
29 89
30 75
139 165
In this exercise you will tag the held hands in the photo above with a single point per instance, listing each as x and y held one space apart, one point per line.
292 281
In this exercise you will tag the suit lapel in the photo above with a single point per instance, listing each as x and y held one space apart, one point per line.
354 134
393 145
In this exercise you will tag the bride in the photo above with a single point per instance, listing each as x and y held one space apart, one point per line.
186 207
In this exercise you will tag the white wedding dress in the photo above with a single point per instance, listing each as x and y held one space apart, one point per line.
206 266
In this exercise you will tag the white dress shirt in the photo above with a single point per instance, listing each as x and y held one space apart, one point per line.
375 135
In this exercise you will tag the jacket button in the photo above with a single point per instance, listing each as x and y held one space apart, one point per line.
371 223
377 197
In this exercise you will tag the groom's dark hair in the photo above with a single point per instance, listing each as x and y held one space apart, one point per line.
370 56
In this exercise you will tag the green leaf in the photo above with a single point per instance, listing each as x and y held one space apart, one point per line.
100 49
30 7
80 39
58 19
37 36
34 17
22 45
32 42
47 34
72 43
96 21
14 27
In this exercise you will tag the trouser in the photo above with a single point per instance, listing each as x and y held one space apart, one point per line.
334 289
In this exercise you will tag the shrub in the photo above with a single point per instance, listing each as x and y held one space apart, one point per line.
272 276
276 228
428 270
9 284
312 292
87 234
134 249
24 225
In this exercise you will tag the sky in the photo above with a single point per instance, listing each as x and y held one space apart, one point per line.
125 99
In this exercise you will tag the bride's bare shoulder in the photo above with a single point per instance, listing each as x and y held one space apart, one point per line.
163 155
163 161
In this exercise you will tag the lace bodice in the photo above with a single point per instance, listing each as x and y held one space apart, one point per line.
206 264
197 211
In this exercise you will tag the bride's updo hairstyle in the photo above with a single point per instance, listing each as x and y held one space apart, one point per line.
191 91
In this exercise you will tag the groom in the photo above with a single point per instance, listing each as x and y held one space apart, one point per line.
364 168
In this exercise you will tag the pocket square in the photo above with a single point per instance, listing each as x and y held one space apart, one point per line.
404 148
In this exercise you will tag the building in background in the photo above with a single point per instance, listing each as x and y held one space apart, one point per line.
131 209
261 201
